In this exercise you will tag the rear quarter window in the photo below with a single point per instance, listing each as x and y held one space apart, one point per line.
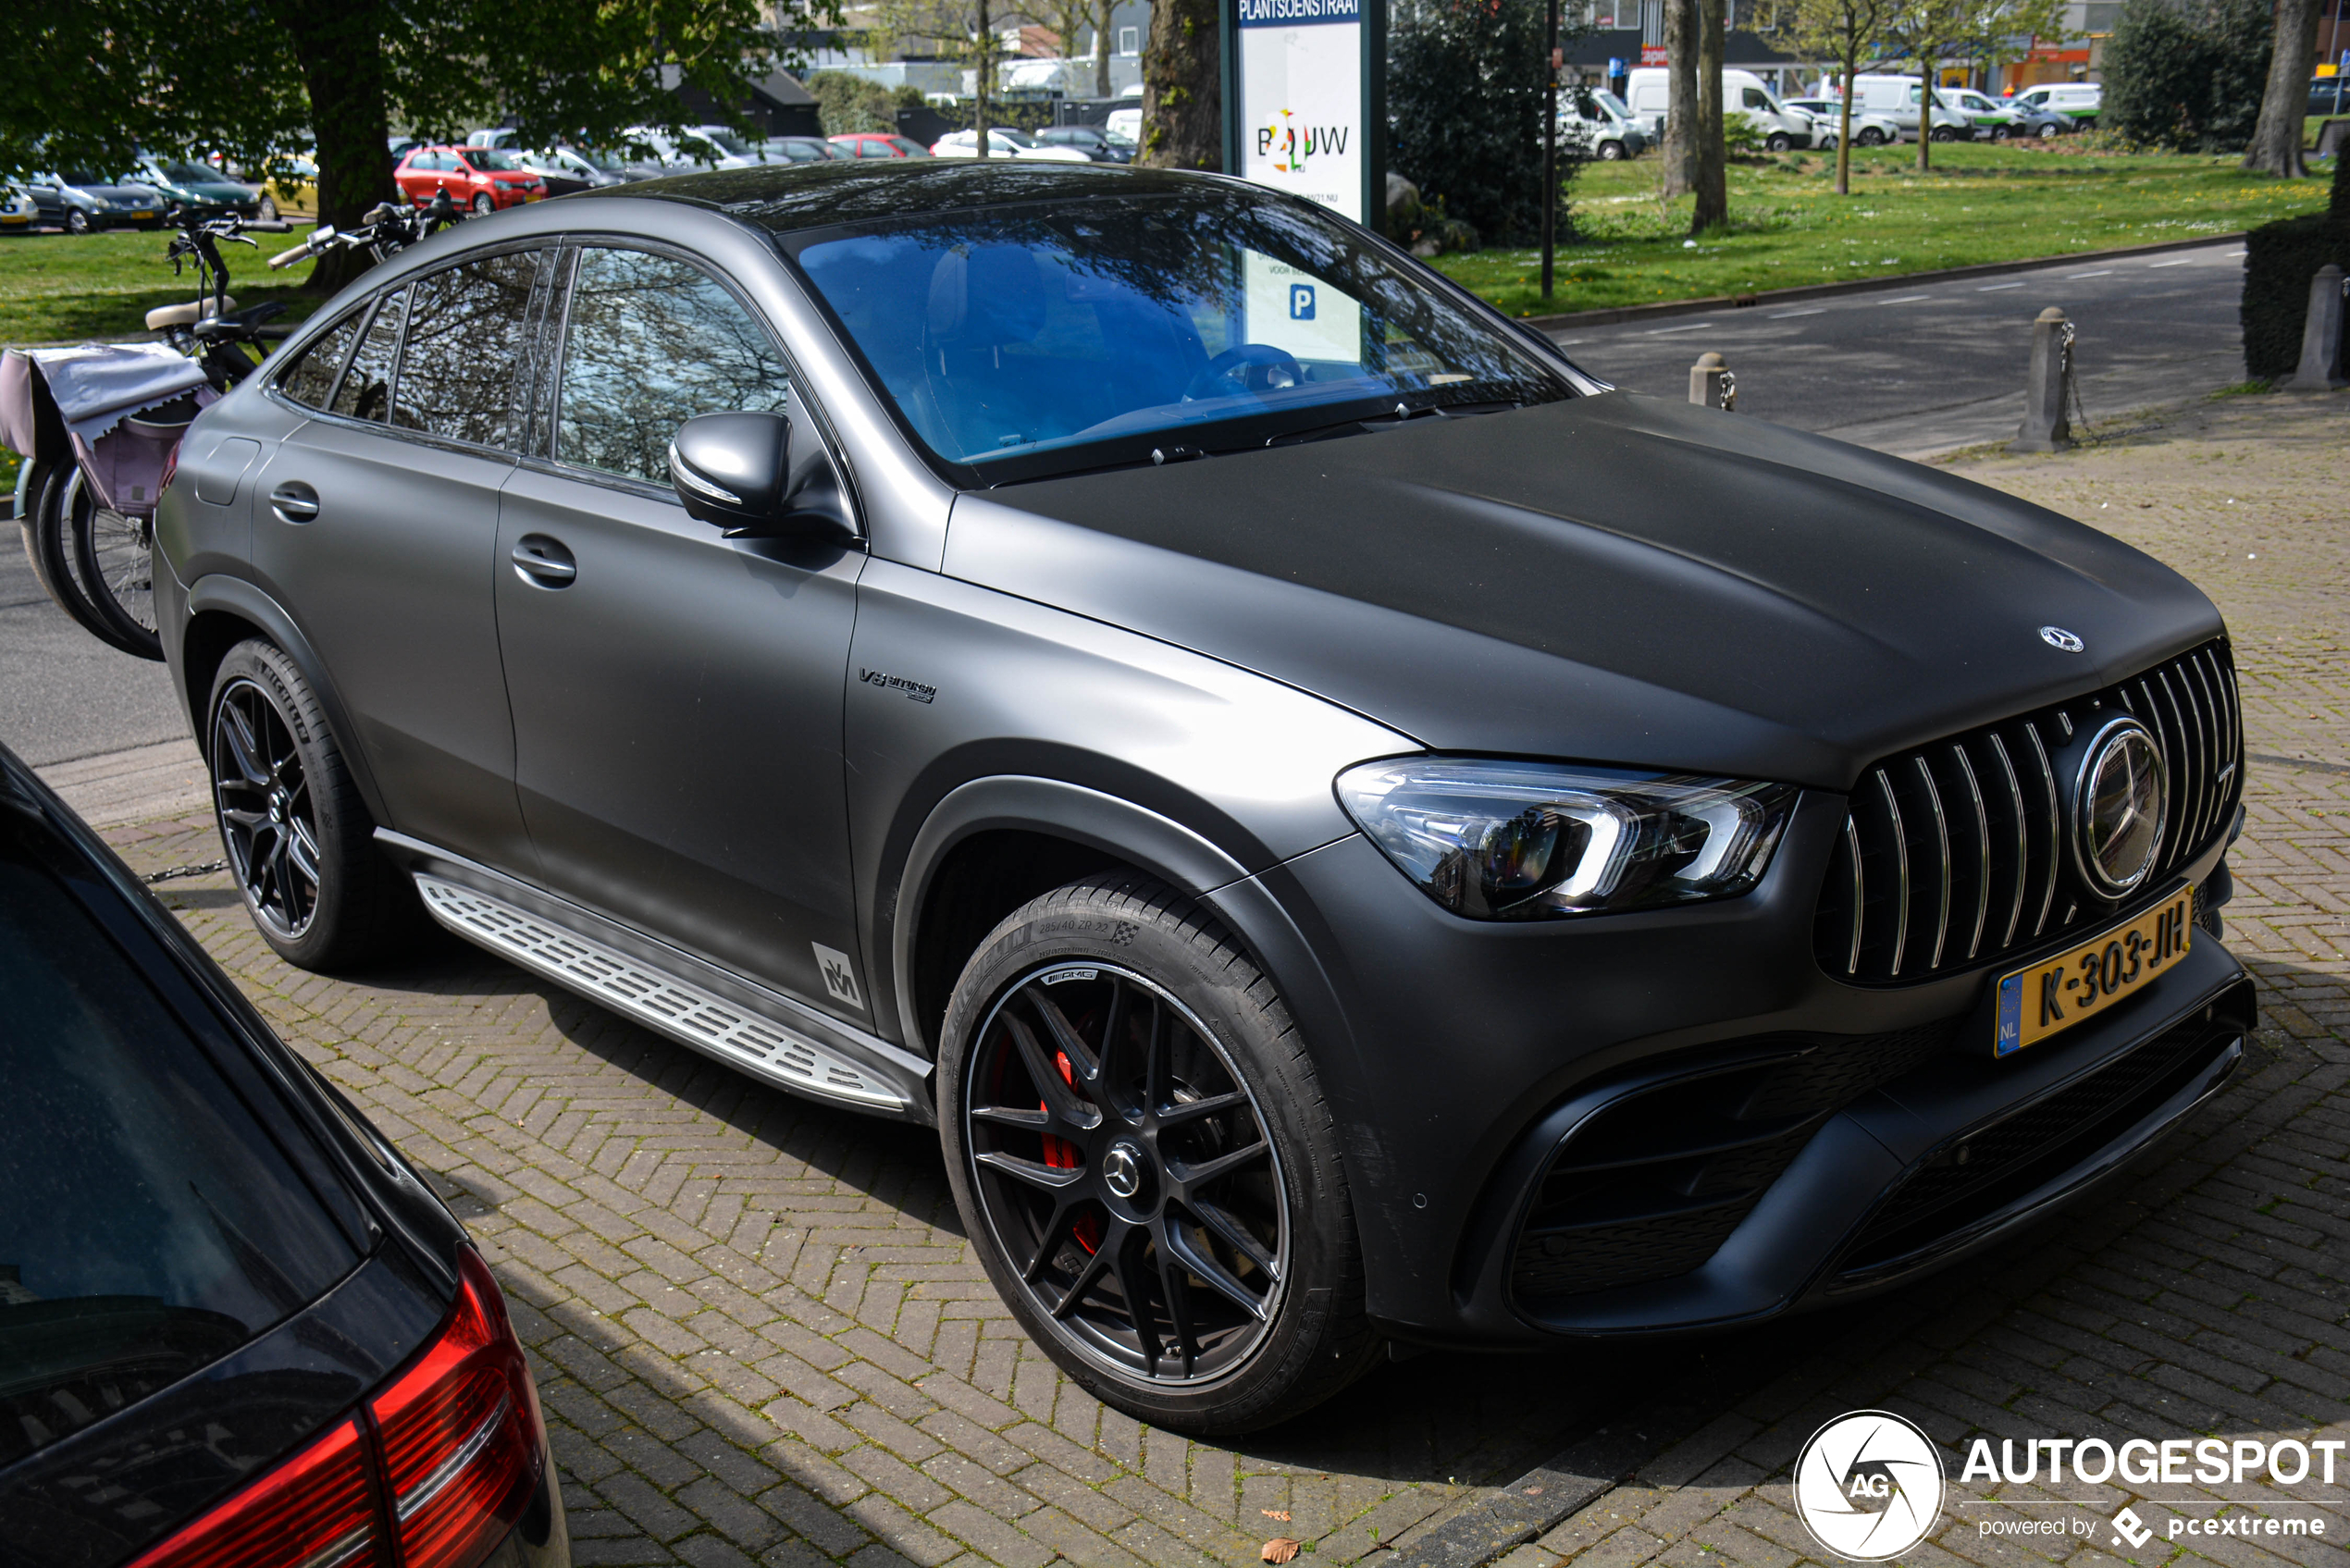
311 381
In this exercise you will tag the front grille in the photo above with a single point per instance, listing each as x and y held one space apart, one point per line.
1989 1168
1648 1187
1958 854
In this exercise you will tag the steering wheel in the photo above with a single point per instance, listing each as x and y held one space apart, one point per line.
1251 367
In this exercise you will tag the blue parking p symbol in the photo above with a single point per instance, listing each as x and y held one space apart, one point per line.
1301 302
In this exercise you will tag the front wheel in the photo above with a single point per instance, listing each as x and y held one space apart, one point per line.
1611 152
2001 133
268 210
1944 133
1145 1162
1779 142
300 842
483 205
77 221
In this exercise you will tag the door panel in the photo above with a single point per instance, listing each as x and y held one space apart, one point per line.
676 696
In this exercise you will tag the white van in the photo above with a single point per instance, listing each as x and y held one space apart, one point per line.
1901 100
1650 90
2078 101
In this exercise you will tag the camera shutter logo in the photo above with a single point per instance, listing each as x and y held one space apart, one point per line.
1868 1486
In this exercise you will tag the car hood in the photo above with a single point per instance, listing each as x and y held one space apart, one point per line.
1612 578
121 193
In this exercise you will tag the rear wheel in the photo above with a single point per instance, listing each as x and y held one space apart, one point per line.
1871 137
300 842
1145 1163
115 564
77 221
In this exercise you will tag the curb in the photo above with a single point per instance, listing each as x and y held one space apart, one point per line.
1858 286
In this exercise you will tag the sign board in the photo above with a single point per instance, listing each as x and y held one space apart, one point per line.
1653 54
1305 100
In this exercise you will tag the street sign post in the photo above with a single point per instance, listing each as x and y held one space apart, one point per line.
1305 101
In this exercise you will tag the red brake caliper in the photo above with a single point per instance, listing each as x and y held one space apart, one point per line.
1062 1155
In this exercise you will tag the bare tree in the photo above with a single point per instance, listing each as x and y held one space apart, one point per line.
955 28
1713 175
1679 151
1923 31
1183 88
2276 140
1844 32
1103 14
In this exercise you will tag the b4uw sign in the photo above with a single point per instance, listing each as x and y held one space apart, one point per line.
1301 111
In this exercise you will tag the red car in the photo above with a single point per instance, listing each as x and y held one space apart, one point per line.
876 144
481 177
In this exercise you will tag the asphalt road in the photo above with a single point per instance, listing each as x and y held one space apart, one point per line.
1914 368
1907 369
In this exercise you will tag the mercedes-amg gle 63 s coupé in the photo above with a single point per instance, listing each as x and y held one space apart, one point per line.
1353 829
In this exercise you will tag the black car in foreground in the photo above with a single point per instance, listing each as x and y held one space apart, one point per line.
1352 828
235 1326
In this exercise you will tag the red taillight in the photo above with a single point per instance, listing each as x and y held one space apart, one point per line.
316 1508
461 1433
454 1443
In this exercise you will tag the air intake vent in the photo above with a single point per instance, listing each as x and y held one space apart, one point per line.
1956 854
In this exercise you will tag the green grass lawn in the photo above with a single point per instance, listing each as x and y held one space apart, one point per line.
1980 202
55 287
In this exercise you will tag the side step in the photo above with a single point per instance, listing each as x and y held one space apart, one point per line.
662 1002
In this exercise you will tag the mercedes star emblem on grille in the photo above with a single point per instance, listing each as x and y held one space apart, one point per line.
2117 807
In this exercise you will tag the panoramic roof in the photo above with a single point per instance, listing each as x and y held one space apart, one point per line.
782 198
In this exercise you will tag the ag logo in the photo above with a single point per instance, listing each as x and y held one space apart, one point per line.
1868 1486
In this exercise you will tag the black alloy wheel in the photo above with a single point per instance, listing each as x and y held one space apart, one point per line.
1121 1160
1145 1163
1872 137
268 822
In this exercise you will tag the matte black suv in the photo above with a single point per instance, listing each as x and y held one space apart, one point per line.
235 1326
1351 827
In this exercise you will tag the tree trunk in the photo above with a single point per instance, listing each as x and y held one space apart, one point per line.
1183 88
1844 128
338 47
979 77
1713 174
1927 84
2276 140
1103 10
1679 151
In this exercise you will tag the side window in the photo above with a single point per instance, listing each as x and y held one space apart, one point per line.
458 370
313 376
366 392
653 341
1755 99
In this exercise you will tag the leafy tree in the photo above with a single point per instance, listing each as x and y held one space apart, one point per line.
1844 33
1468 83
1922 32
2190 76
847 102
259 80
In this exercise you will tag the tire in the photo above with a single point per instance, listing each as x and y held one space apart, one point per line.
1944 133
299 841
268 210
77 221
1611 152
114 560
1872 137
483 205
48 544
2002 132
1263 1316
1779 142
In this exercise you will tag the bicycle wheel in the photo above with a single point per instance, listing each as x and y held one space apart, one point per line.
46 569
48 544
114 569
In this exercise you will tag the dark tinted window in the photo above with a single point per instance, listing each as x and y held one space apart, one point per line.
458 369
148 1224
652 342
313 376
366 392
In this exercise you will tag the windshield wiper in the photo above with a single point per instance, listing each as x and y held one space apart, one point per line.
1402 415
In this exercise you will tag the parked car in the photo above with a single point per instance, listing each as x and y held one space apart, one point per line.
2077 101
1647 93
224 1293
1600 124
484 179
1343 846
278 195
399 145
798 150
1901 99
1827 118
563 170
879 145
1003 143
1125 125
19 212
82 200
686 149
187 186
2328 96
1095 142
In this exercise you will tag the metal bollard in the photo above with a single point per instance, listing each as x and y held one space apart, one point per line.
2048 424
1711 385
2320 369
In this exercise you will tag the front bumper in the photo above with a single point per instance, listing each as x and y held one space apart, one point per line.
1465 1054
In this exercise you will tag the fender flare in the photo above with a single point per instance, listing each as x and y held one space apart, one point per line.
235 596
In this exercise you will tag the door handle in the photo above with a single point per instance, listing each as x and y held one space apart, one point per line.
294 501
543 562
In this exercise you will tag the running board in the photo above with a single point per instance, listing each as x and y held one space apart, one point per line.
661 1001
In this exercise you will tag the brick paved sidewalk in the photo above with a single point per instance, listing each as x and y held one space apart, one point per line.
761 1337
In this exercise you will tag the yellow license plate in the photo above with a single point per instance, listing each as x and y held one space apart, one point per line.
2059 993
533 195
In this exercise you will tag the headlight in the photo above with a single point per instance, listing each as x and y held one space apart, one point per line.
1530 841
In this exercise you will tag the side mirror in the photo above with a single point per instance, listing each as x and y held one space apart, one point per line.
745 473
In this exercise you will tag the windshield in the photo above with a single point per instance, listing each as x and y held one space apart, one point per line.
80 177
1042 339
729 140
490 158
1612 104
1017 137
190 174
610 162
